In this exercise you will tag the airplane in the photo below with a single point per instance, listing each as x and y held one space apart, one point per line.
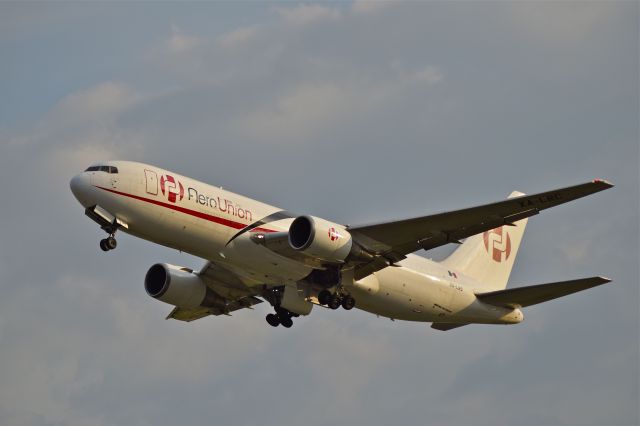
256 252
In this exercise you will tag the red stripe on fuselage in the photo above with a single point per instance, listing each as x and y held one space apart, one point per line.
200 215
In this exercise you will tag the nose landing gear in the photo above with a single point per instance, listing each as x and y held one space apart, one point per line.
109 223
108 243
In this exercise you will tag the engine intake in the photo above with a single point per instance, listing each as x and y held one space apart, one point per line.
179 287
301 232
319 238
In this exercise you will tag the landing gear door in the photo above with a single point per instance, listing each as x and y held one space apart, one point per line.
152 182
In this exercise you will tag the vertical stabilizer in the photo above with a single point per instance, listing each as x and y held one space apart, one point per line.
488 257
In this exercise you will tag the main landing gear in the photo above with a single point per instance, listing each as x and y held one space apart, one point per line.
334 300
108 243
281 317
285 317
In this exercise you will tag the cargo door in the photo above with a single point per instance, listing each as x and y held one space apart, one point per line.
152 182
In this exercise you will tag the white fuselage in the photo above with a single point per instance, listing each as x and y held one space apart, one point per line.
200 219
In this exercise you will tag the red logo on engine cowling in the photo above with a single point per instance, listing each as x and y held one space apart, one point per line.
333 234
171 188
498 244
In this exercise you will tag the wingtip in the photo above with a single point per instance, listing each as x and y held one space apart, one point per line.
604 182
605 279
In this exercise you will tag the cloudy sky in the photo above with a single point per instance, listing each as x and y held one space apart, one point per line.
355 112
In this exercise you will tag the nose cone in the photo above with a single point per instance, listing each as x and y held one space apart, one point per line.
80 186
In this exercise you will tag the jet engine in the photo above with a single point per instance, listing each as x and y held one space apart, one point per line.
179 287
319 238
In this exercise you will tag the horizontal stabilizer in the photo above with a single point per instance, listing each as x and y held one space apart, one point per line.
444 326
532 295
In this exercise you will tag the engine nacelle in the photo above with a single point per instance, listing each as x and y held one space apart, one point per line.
179 287
320 238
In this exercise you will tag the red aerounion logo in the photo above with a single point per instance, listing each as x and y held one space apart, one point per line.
172 189
498 244
333 234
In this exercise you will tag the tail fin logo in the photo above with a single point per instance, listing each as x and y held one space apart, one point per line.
171 188
498 244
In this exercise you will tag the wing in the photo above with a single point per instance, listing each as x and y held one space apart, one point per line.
532 295
235 293
443 326
189 315
391 241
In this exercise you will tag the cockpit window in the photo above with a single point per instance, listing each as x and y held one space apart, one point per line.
108 169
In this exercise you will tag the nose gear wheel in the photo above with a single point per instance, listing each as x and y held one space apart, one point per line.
108 243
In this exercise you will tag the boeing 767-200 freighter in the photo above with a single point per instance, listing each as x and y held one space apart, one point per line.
257 252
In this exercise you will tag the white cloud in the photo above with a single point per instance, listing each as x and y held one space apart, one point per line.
96 147
309 107
298 113
561 22
303 14
180 42
236 37
429 75
104 100
84 127
56 361
370 6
